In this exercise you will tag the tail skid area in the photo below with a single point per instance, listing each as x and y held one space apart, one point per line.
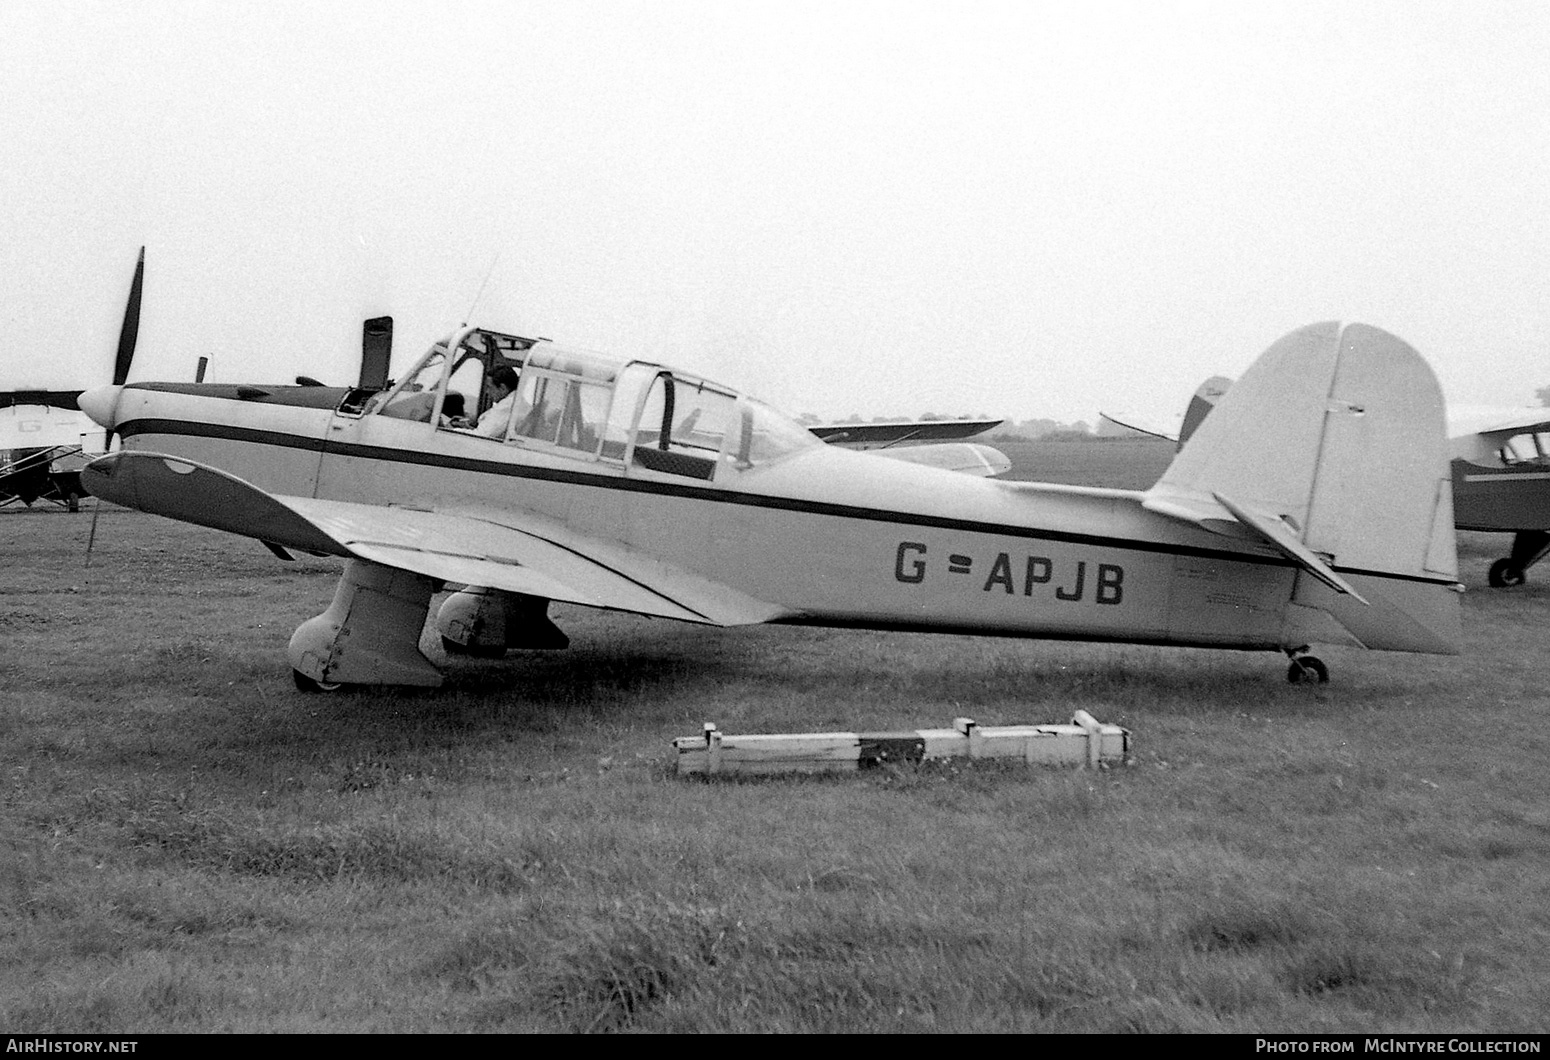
1332 451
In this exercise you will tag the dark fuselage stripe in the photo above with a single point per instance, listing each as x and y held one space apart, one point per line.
251 435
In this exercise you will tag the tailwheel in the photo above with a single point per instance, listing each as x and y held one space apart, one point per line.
1307 669
1505 574
307 684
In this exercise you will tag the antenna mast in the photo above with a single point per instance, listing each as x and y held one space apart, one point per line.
487 274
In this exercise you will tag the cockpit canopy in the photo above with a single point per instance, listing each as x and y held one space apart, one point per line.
589 406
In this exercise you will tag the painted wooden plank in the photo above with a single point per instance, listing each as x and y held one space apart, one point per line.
1083 742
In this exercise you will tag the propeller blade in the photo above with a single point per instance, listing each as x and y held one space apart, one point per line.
129 334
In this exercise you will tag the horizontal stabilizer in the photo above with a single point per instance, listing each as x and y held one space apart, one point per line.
1279 536
1221 515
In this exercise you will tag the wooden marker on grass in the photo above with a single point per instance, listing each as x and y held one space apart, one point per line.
1084 742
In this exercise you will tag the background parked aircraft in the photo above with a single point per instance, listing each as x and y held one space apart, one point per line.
878 435
45 439
934 443
41 441
1501 482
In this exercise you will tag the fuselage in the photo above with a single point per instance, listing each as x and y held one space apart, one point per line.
1501 476
830 536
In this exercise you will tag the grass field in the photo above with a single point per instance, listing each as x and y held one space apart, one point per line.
189 844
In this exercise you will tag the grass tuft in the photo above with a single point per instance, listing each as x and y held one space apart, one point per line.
481 957
619 969
374 851
1242 928
1381 981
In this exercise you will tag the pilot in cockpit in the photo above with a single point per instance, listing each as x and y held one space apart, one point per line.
454 411
503 384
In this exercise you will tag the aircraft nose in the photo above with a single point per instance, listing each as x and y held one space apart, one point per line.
100 403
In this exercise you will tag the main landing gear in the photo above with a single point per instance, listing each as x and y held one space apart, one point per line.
370 634
1505 575
1528 548
1306 669
374 632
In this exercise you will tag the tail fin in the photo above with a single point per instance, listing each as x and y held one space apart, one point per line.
1200 406
1206 397
1332 448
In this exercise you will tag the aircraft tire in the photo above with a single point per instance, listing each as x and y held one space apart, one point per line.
307 684
1309 670
1505 574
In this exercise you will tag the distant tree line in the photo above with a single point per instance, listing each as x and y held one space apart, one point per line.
1041 429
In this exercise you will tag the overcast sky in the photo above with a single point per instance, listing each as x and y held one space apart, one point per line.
1023 209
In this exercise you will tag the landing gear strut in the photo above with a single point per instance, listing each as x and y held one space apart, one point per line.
1505 575
370 634
1306 669
1528 548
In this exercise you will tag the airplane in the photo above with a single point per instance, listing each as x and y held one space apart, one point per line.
1314 507
896 432
930 442
1499 459
41 437
1206 396
44 438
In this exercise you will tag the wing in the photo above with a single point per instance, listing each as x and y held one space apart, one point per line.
1528 421
1134 423
501 549
866 434
1206 396
968 458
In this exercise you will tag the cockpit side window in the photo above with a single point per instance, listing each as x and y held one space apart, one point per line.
566 412
465 391
682 426
765 435
1526 448
540 399
414 397
581 424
